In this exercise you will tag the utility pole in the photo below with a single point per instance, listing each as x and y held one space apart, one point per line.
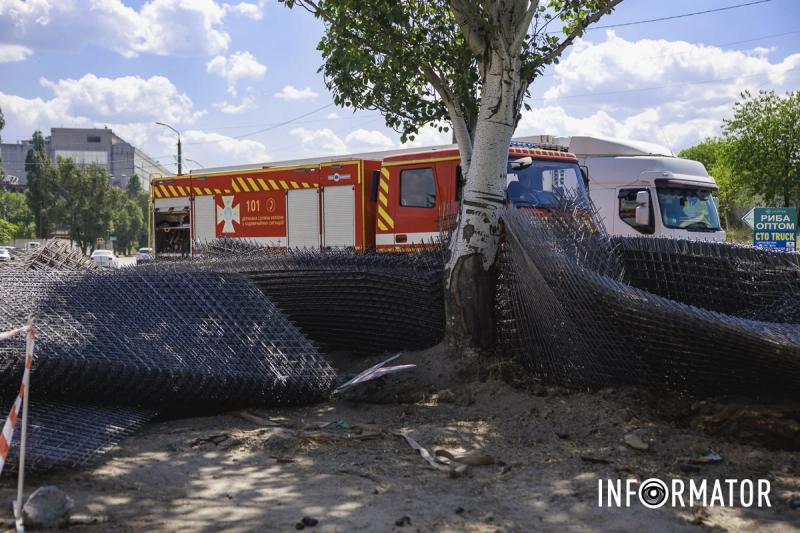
180 160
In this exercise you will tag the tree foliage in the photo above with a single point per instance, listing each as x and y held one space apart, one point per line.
41 186
762 142
14 209
734 192
7 231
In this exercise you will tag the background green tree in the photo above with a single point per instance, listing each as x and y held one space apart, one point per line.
762 145
14 209
42 188
126 219
7 230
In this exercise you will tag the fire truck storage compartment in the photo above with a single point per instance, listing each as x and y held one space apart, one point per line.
171 221
302 206
339 216
204 219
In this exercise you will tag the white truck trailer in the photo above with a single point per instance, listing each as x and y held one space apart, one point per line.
641 188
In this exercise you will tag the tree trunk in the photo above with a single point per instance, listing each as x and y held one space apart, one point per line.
470 271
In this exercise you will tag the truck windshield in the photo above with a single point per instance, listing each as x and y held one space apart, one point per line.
538 184
689 209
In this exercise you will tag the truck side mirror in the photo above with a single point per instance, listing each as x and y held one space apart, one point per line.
585 175
643 208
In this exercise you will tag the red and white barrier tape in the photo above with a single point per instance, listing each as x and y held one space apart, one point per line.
8 428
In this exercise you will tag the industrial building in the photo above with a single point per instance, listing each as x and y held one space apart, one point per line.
86 146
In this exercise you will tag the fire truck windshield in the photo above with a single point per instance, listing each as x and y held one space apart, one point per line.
539 184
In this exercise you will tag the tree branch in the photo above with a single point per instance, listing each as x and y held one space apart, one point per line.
522 29
465 18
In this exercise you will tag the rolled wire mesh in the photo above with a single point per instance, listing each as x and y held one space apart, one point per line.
572 306
160 338
65 434
362 302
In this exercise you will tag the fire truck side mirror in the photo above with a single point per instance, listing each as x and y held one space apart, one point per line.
376 178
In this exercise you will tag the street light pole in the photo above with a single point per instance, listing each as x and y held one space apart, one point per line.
180 160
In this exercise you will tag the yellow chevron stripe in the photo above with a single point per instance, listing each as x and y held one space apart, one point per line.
217 191
156 192
208 191
385 173
284 185
235 188
382 226
306 185
382 199
382 212
384 186
164 191
252 184
295 185
274 185
243 184
264 186
184 192
173 191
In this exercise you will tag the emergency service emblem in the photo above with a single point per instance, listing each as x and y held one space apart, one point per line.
227 214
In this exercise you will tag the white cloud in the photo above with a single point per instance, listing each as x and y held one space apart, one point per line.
649 90
241 65
163 27
248 103
249 10
290 92
321 141
95 101
14 52
128 98
616 69
332 116
220 150
368 139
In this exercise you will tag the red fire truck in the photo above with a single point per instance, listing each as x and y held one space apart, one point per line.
389 202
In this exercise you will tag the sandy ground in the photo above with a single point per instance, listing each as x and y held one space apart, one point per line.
341 464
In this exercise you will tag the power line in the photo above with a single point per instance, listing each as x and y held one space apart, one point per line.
683 15
272 127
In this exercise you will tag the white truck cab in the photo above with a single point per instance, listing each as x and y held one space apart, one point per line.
641 189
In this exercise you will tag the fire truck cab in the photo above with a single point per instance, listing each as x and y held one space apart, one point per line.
390 201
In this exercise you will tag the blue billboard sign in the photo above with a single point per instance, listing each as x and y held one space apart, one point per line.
775 227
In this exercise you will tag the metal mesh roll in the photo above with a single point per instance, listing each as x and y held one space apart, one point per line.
168 339
73 434
365 303
582 309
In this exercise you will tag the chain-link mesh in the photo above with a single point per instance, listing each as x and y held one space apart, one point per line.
161 338
362 302
583 309
72 434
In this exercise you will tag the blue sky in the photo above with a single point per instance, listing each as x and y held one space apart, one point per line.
221 72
